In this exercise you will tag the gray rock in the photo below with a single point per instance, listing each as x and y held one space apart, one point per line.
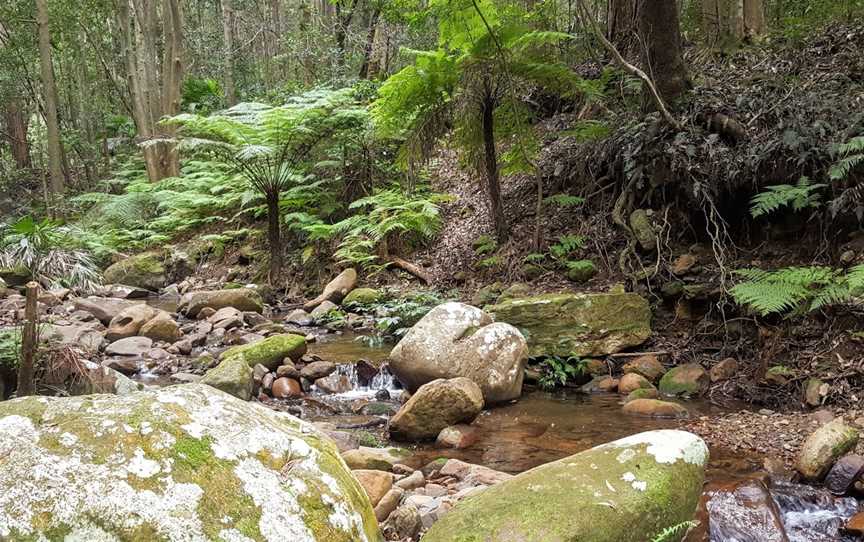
130 346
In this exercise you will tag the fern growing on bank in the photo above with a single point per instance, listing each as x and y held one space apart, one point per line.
802 195
797 290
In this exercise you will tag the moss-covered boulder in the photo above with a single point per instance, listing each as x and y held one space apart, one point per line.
823 447
242 299
145 270
180 463
362 296
685 380
436 405
629 490
578 324
269 352
233 376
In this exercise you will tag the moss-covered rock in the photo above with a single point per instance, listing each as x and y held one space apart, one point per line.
242 299
14 276
578 324
581 270
233 375
823 447
145 270
625 491
487 294
269 352
362 296
685 380
180 463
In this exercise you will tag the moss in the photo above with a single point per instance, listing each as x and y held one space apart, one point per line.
365 438
271 351
143 271
362 296
30 407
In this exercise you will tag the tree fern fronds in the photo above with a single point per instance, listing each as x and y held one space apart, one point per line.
800 196
842 168
796 289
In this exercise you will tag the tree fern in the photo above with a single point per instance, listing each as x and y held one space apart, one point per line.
800 196
852 155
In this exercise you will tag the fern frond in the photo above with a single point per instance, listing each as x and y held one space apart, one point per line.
800 196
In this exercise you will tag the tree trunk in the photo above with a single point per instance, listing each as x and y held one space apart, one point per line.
274 237
493 184
622 28
660 31
727 22
29 338
754 19
49 92
228 51
16 126
365 71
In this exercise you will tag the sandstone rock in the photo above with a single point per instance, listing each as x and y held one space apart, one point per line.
815 392
226 318
123 291
205 313
855 524
317 369
88 336
322 309
823 447
843 475
130 346
403 523
744 510
361 296
288 369
162 466
633 475
127 366
242 299
335 383
129 321
640 225
724 370
471 475
286 388
103 308
642 393
457 340
655 409
336 289
388 504
375 483
141 271
578 324
299 317
233 376
373 458
161 328
648 366
631 382
270 352
436 405
683 264
457 436
412 481
685 380
600 384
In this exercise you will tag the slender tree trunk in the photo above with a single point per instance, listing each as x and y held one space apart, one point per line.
365 71
274 236
49 92
228 51
660 31
16 125
26 370
493 184
754 19
622 28
727 22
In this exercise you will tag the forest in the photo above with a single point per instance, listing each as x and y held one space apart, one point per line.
438 270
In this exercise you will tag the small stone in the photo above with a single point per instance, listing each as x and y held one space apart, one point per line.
815 392
457 436
286 388
631 382
317 369
205 313
642 393
855 524
130 346
683 264
601 384
376 483
685 380
382 395
822 448
655 409
724 370
335 383
258 372
844 474
648 366
388 504
413 481
404 523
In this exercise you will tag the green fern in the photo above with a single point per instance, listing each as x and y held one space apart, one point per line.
852 153
797 290
566 246
675 532
800 196
564 200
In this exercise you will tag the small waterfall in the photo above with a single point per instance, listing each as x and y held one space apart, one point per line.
364 384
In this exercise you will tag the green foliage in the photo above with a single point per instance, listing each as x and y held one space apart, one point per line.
564 201
484 244
489 263
201 95
566 246
797 290
588 130
800 196
49 252
396 315
851 156
675 532
10 348
388 218
557 371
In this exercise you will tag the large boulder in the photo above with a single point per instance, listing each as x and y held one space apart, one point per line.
436 405
182 463
455 340
103 308
629 490
130 321
162 328
578 324
336 289
233 376
145 270
242 299
823 447
269 352
685 380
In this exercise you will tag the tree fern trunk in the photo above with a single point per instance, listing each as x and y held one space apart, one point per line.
274 237
496 204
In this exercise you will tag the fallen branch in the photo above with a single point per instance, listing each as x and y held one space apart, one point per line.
411 268
638 354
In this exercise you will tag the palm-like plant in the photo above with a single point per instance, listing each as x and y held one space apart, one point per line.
272 147
46 251
476 81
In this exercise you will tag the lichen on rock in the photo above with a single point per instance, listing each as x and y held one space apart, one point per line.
180 463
